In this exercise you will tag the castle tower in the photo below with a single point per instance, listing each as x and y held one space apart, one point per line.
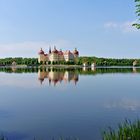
76 54
41 56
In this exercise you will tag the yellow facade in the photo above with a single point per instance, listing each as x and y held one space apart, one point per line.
57 77
57 56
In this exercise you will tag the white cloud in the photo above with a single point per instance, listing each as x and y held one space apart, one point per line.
30 49
111 25
125 27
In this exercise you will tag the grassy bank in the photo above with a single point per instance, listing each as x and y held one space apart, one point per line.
125 131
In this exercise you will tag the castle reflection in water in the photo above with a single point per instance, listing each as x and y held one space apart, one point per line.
58 75
54 77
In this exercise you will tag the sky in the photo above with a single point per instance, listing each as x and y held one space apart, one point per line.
100 28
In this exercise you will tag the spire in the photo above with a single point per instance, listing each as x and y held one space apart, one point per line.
50 50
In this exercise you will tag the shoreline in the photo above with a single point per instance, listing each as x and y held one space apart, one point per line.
67 66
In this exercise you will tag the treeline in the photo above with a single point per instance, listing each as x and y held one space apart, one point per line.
80 61
19 61
61 63
108 61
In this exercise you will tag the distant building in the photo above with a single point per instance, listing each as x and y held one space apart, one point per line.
93 65
85 64
14 63
57 56
135 63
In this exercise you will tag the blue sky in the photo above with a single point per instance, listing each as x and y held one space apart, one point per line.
95 28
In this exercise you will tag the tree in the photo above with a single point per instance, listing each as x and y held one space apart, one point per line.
137 25
49 62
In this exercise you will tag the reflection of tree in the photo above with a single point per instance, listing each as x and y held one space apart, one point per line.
57 75
18 70
87 71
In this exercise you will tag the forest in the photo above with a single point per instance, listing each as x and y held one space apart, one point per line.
80 61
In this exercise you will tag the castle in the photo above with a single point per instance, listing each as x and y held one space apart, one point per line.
57 56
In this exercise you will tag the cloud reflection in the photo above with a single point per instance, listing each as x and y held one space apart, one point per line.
127 104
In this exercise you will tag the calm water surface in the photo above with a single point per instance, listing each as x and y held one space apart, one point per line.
47 104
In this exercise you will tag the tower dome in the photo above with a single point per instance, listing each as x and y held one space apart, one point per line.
41 51
76 52
60 52
55 50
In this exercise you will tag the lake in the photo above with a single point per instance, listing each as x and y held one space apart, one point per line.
51 103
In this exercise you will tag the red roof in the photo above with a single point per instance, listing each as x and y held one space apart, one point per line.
76 52
41 51
46 54
55 50
60 53
67 52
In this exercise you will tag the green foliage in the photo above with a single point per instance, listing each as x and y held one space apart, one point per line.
19 61
108 61
80 61
19 70
137 25
126 131
53 63
77 70
49 62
